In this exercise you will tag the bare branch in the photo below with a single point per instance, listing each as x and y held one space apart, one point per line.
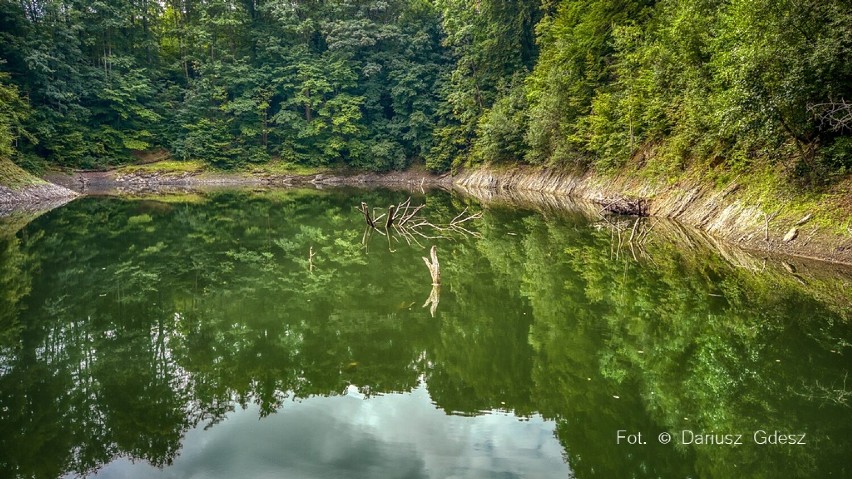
405 220
833 115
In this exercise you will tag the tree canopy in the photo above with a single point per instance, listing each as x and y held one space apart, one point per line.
448 83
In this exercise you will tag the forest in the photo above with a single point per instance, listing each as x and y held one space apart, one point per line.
380 85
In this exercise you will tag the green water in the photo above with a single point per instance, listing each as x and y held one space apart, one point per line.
198 337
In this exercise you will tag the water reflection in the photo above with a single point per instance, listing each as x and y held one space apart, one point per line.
134 329
395 435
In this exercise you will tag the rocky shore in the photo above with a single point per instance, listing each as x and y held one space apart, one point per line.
97 182
31 197
721 213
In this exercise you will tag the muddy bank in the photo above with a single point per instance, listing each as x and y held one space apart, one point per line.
134 182
721 213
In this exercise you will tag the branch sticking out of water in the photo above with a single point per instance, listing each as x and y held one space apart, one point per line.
434 267
391 211
435 272
433 299
638 237
406 221
367 216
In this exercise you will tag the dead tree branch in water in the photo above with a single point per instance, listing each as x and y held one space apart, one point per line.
391 211
433 299
435 272
405 220
434 267
636 240
366 212
625 206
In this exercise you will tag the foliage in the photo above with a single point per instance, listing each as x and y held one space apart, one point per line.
726 81
589 83
225 81
491 41
502 129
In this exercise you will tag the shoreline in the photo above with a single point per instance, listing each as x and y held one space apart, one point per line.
135 181
21 191
717 212
31 196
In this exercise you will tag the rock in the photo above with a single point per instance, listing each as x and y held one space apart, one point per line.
791 235
804 220
32 195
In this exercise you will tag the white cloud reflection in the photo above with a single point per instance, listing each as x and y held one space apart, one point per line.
390 436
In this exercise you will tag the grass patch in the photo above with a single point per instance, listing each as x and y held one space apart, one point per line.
766 186
830 206
178 167
15 178
281 167
166 167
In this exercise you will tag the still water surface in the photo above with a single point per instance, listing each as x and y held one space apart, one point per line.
260 334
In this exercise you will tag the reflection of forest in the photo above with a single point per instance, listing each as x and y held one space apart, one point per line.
125 323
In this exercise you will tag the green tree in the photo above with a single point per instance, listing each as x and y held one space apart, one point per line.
14 111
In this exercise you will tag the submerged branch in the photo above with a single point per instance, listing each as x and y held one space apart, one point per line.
406 221
434 267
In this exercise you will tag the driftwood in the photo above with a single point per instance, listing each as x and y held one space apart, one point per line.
433 299
391 211
435 271
405 221
625 206
634 236
434 267
804 220
367 217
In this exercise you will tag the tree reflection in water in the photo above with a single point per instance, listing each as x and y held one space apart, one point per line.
125 323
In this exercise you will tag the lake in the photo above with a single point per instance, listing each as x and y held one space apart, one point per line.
272 334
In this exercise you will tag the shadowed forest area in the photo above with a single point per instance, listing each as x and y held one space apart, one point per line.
605 84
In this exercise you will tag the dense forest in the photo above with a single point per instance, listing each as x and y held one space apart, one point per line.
447 83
